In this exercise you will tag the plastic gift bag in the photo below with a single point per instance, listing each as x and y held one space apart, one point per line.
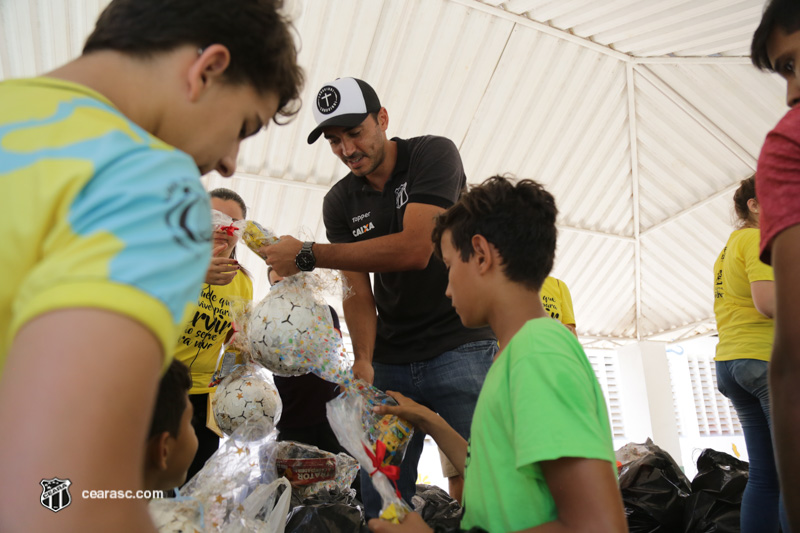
717 490
326 517
177 515
291 331
232 475
378 442
222 222
437 508
247 392
255 235
312 471
654 492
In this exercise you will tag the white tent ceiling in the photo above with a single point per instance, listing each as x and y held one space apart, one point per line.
640 116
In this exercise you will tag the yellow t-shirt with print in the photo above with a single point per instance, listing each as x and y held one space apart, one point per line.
557 300
97 213
207 329
744 333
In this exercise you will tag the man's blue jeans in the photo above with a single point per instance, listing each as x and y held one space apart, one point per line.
744 383
448 384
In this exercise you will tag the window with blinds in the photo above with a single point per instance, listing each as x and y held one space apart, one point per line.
605 366
715 414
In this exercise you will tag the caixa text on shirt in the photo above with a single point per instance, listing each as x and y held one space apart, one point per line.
363 229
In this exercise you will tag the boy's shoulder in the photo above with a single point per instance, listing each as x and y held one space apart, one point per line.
65 115
545 335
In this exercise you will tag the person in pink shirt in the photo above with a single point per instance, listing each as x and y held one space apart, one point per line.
776 47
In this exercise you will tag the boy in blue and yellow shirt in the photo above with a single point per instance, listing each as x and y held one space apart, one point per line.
106 235
540 456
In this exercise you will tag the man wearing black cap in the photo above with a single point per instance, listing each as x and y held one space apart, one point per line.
379 219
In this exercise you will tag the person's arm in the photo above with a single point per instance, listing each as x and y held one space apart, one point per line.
784 368
361 317
585 492
449 441
76 396
763 293
586 495
410 249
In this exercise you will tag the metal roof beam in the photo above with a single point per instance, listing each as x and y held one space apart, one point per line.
281 181
688 334
694 207
634 150
735 148
693 60
544 28
595 233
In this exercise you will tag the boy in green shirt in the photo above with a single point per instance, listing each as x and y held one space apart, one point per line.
540 457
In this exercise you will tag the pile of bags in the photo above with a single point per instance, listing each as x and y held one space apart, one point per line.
659 498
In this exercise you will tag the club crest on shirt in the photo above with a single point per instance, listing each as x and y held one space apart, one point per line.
401 196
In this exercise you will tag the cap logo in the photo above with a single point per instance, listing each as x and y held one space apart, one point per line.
328 99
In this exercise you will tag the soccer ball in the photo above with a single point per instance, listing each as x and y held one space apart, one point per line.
287 330
242 396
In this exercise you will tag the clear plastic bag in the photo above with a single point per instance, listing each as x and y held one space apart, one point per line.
378 442
312 471
291 333
247 392
231 494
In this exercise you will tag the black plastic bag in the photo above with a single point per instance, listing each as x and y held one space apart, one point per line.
326 518
436 507
654 491
718 487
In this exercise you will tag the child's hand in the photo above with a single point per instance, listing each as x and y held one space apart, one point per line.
412 523
408 409
221 270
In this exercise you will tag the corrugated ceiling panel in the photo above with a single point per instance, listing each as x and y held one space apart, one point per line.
598 271
38 35
651 28
675 169
515 99
677 262
430 67
720 93
538 120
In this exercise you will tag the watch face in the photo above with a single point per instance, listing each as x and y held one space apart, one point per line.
305 261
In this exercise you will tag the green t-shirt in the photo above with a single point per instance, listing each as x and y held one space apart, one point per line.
540 402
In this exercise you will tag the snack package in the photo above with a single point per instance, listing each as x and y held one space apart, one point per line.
247 392
291 333
311 470
235 494
255 235
378 442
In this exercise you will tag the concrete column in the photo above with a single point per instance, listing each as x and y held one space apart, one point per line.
646 396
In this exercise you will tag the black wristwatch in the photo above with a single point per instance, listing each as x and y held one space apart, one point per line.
305 259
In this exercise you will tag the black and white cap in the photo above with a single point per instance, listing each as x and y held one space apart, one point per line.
345 102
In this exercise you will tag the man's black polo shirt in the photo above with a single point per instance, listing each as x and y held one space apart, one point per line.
415 319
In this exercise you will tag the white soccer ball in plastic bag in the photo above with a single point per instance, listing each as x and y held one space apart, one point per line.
287 329
241 397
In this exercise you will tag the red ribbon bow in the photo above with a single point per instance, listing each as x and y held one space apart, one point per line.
228 229
391 472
